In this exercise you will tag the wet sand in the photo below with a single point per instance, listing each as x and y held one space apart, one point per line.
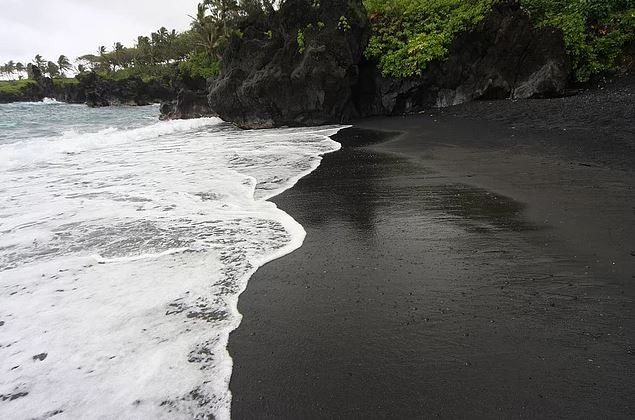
479 264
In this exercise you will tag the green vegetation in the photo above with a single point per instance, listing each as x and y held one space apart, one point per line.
12 68
200 65
596 31
167 56
406 36
14 87
343 24
172 55
409 34
61 82
301 42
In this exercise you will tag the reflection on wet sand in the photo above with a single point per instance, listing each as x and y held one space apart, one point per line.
416 295
365 184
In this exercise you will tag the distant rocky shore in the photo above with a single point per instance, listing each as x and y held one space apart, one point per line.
93 90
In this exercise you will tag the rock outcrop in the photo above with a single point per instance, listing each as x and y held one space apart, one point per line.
303 65
36 89
101 92
311 69
188 104
297 66
504 57
30 93
93 90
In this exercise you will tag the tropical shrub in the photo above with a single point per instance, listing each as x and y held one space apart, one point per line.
595 31
409 34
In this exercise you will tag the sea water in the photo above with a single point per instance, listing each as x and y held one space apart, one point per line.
124 245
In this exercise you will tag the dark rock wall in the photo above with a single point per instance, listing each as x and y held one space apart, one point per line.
130 91
270 76
271 79
188 104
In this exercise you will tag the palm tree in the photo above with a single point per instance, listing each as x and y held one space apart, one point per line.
171 39
52 69
39 61
19 67
163 33
144 50
214 22
117 53
64 65
104 58
81 68
207 29
9 68
155 44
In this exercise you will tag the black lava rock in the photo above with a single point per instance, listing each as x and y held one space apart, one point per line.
296 66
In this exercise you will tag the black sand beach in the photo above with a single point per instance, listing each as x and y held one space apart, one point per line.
479 265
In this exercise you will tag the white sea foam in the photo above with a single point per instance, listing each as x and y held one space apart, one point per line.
122 255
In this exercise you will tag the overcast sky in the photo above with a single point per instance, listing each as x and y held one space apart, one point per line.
77 27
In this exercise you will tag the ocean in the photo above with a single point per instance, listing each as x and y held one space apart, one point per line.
125 243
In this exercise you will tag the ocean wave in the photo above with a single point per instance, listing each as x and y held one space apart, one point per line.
122 256
48 149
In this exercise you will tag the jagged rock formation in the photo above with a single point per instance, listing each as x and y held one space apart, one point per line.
188 104
101 92
311 70
304 65
505 57
298 66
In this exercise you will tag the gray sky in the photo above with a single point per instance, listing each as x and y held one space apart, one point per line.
77 27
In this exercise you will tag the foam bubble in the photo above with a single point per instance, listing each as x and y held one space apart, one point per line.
122 256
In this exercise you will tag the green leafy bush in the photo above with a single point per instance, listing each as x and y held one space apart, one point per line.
301 42
61 82
409 34
200 65
595 31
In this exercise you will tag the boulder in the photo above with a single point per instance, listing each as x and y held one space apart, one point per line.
295 66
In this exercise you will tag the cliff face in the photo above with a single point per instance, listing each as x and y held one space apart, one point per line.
311 70
296 67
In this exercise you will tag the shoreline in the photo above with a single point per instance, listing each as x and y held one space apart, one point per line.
464 269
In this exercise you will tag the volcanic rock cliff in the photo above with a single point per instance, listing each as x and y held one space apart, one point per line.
310 70
296 67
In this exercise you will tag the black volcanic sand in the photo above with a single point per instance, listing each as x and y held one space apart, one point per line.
479 265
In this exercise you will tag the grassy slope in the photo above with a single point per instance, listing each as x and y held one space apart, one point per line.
14 87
